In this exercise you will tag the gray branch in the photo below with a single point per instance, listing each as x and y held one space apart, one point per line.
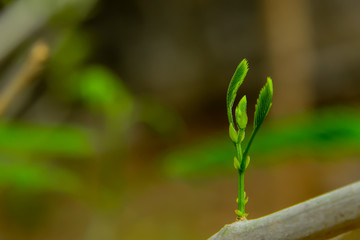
23 18
319 218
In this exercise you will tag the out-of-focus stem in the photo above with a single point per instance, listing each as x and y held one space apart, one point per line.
32 66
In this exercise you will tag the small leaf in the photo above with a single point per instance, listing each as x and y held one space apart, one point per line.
263 104
238 213
241 216
247 161
236 163
32 139
234 85
240 113
233 133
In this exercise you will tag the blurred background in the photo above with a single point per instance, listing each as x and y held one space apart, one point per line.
113 115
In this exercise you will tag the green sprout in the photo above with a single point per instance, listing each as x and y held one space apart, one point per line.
237 128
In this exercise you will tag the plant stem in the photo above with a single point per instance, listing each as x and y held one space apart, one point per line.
241 193
248 147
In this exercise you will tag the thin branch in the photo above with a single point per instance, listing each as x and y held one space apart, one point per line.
319 218
23 18
32 66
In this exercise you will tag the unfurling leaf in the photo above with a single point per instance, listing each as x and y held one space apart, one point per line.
234 85
263 104
240 113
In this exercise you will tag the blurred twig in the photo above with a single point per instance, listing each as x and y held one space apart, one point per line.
320 218
22 18
32 66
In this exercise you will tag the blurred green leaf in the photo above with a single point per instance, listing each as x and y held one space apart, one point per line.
211 156
36 139
327 134
37 177
102 90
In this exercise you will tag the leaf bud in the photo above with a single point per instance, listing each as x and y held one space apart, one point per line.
240 113
247 162
233 133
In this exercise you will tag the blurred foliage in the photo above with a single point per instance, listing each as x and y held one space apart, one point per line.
34 139
332 132
102 91
37 159
95 86
329 134
71 49
36 177
31 150
160 117
75 83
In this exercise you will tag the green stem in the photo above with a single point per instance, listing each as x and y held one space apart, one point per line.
238 152
246 152
241 193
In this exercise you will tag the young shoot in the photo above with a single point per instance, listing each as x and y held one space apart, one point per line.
237 127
